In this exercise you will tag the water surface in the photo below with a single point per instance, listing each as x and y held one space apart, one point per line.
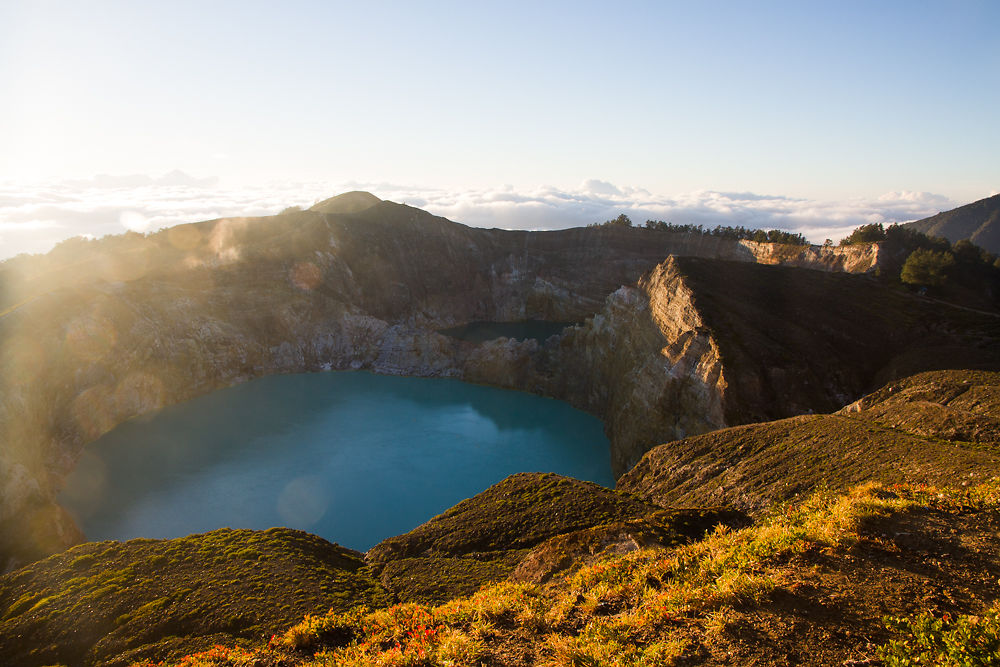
353 457
480 332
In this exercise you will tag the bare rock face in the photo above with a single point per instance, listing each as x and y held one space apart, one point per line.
97 332
860 258
646 363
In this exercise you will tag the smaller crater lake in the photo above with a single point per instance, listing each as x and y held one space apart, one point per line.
351 456
482 331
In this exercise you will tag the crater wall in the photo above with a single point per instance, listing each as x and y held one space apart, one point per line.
102 331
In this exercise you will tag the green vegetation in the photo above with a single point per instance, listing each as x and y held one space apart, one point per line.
731 233
165 598
694 604
621 221
963 641
483 539
962 272
873 233
927 267
719 231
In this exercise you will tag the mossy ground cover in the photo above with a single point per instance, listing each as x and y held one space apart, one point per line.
516 513
548 520
817 583
483 538
100 603
939 427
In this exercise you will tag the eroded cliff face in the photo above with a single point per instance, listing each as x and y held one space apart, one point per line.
646 363
859 258
120 327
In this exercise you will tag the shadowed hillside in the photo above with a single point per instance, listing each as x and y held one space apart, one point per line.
702 344
934 428
978 222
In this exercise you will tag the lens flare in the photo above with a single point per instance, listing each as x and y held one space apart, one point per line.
306 276
184 237
303 502
223 240
23 360
92 411
91 337
139 393
125 266
86 487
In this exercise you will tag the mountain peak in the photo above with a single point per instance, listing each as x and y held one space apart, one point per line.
348 202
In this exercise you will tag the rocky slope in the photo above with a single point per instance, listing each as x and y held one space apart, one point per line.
97 332
936 428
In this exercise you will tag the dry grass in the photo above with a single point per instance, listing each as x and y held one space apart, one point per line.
649 607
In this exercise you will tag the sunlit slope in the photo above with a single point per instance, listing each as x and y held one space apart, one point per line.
810 584
978 222
111 602
530 526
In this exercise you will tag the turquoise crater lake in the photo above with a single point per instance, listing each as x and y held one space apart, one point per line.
352 456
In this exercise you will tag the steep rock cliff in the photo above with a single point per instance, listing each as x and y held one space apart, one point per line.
860 258
645 363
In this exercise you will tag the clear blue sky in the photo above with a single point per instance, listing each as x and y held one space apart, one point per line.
833 99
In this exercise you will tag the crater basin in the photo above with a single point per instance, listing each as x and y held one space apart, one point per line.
351 456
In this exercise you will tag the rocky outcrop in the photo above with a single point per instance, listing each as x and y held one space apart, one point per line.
859 258
646 363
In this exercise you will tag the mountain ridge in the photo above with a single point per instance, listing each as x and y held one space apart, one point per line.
978 222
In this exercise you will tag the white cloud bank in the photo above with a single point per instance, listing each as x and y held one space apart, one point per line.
34 218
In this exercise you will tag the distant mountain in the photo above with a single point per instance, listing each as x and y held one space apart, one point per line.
349 202
979 222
